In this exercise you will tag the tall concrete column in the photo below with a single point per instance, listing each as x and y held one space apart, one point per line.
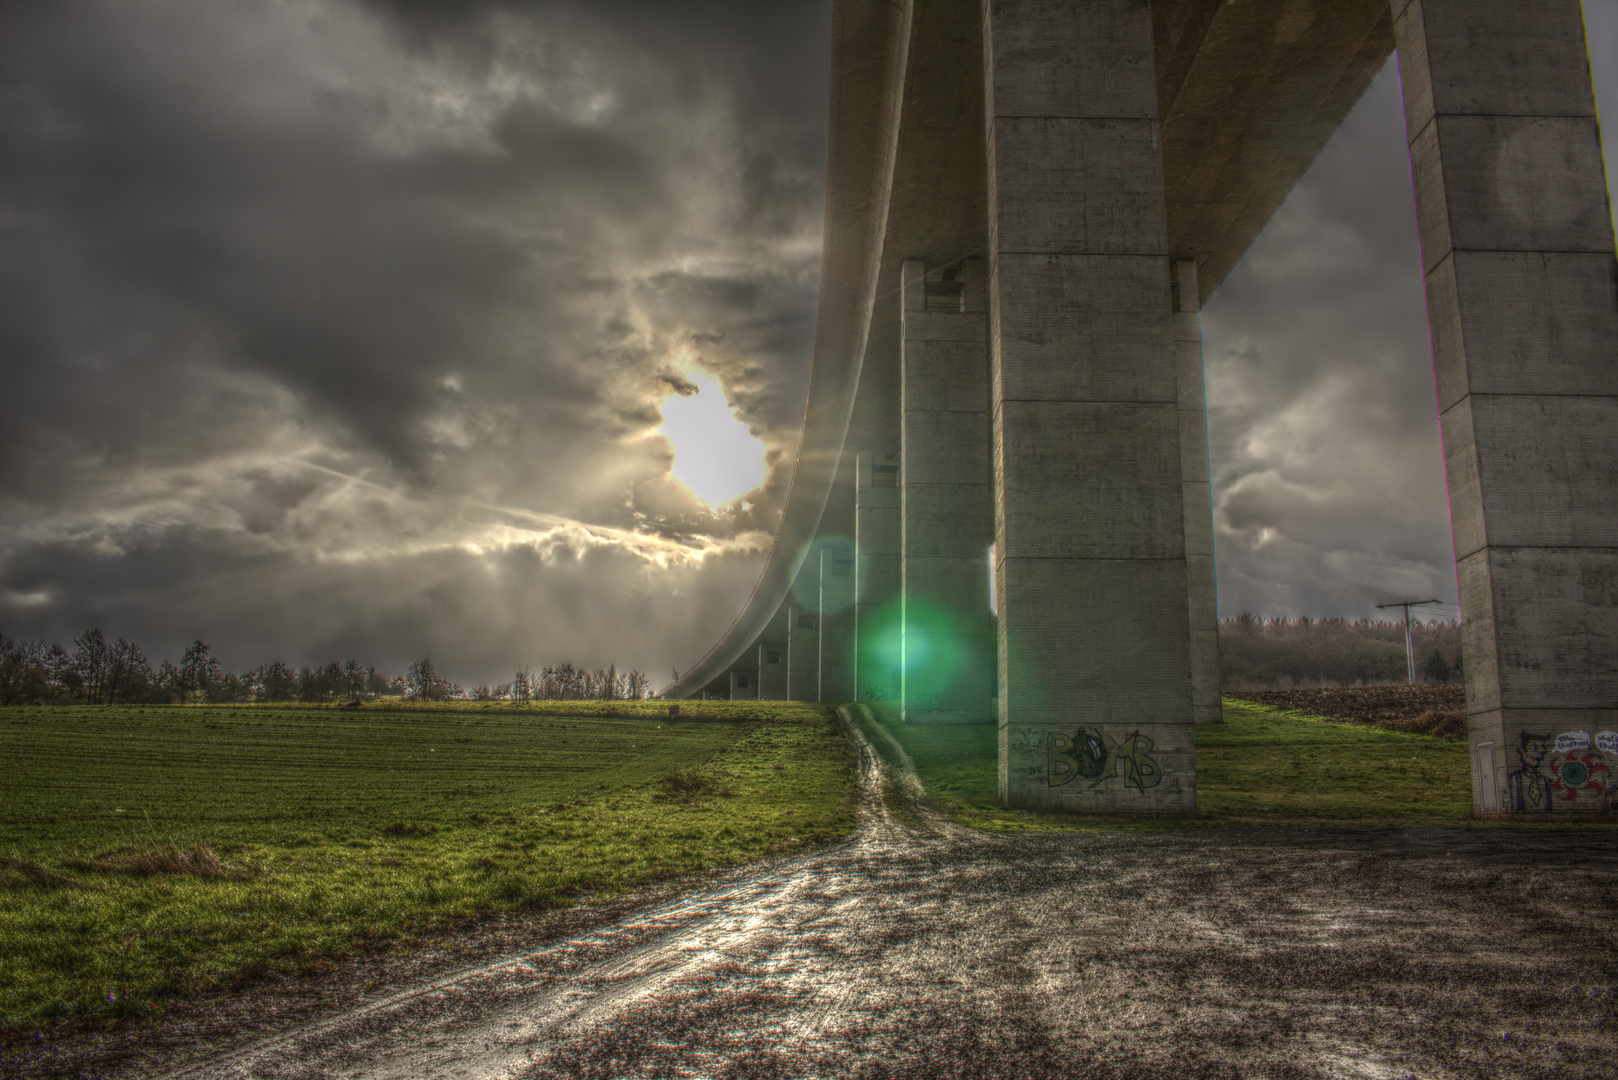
772 671
1197 495
803 651
836 623
1522 293
1095 665
947 521
876 576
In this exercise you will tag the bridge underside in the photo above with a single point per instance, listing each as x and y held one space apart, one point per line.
1001 506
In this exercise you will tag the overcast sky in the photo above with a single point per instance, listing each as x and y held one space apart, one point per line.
340 329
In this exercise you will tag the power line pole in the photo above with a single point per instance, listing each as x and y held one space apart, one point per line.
1410 652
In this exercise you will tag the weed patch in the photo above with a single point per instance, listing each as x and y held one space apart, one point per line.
199 860
22 873
1439 723
692 784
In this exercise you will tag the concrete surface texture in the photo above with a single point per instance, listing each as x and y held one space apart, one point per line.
948 637
1522 287
1197 492
1095 673
836 622
925 951
877 574
803 652
1110 161
772 670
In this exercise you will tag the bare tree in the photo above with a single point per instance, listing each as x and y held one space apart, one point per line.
91 657
199 671
426 684
636 684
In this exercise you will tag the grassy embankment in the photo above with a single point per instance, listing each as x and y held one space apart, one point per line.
148 852
1261 766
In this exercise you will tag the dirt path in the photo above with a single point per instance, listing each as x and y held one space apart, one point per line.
939 952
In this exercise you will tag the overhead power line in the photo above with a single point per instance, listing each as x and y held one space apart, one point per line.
1410 652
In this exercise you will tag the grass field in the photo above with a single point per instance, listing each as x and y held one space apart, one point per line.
1260 765
146 852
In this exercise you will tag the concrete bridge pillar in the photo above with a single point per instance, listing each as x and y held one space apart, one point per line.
772 671
947 501
1522 293
1197 494
1095 665
803 651
836 623
876 575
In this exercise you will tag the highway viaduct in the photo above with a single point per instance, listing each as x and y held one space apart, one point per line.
1001 501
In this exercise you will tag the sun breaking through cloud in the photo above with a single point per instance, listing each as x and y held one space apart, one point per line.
714 453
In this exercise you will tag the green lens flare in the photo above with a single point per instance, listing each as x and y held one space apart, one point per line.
932 652
881 653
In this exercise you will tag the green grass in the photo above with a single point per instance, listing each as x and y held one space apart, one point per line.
1266 763
148 852
1261 765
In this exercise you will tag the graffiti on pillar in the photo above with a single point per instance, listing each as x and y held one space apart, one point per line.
1092 755
1569 771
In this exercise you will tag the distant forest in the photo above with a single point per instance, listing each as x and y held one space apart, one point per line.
102 672
1257 653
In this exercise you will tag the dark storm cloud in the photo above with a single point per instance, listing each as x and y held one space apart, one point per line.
341 328
1329 489
1328 475
337 292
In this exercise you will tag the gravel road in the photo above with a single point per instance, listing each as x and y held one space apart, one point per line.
929 950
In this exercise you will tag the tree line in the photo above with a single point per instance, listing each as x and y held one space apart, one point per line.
1254 653
1259 653
563 682
102 672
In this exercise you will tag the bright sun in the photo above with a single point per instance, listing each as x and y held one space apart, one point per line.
714 453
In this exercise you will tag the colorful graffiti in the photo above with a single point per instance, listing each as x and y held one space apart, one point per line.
1093 755
1569 771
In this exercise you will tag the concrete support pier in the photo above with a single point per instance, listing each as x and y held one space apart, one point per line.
1095 665
803 653
836 622
876 577
947 498
772 671
1522 291
1197 494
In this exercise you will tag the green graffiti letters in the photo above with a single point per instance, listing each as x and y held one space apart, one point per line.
1093 755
